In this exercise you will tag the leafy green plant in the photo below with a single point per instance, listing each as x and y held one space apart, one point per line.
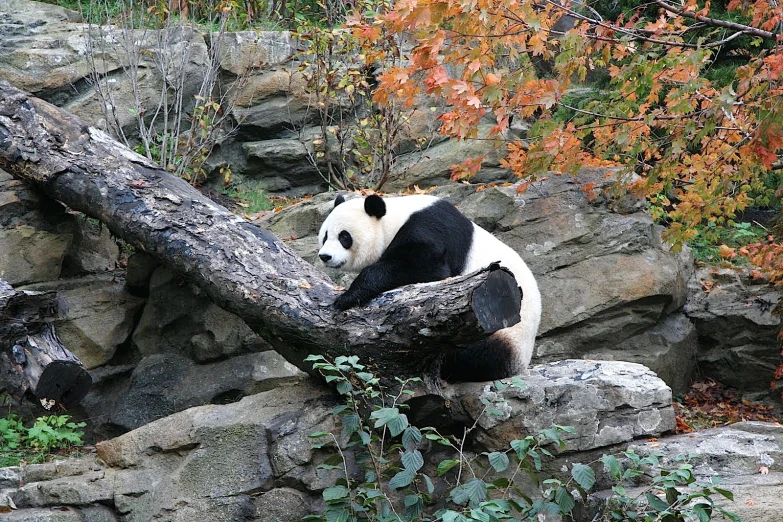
251 197
394 483
673 495
52 432
715 243
48 434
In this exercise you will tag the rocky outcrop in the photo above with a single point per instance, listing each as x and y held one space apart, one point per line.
253 459
737 330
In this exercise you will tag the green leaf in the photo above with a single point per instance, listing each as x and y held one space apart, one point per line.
703 512
414 505
445 466
583 475
411 437
726 493
344 387
564 500
402 479
476 490
498 460
412 460
656 503
521 447
335 493
428 483
612 465
398 424
475 514
319 434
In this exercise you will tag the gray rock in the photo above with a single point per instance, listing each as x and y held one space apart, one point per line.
101 315
283 164
178 319
606 402
270 103
432 166
31 255
162 384
734 318
242 52
735 454
66 514
140 268
669 349
93 249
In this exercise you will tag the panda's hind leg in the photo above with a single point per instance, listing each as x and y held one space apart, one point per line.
486 360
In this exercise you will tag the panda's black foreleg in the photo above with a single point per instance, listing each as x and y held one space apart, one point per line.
386 275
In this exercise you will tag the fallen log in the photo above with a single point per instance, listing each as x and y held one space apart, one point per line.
242 268
31 356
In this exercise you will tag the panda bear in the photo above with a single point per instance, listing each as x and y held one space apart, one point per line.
401 240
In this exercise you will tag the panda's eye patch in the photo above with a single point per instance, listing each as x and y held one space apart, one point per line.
345 239
326 236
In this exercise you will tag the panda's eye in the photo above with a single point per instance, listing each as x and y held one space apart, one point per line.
345 239
326 236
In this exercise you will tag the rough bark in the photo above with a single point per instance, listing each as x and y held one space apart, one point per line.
245 269
31 356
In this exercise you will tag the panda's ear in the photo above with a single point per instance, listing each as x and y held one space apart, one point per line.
339 199
375 206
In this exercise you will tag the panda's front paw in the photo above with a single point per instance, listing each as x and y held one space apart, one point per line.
344 302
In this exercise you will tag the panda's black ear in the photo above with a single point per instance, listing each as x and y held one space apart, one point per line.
339 199
375 206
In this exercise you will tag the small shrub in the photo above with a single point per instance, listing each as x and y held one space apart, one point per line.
396 484
50 433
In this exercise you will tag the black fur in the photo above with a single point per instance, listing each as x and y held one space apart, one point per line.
339 199
375 206
486 360
432 245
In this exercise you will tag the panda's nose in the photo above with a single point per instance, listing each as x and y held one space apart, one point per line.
325 257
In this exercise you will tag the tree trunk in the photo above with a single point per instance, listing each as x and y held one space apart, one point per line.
242 268
31 356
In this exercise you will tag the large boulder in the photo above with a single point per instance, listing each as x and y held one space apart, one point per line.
101 315
737 328
179 319
36 234
605 402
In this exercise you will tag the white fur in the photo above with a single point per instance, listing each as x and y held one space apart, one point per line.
374 235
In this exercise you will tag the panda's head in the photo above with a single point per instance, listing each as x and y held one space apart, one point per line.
353 235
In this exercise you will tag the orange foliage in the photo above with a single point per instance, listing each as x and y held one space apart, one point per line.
699 145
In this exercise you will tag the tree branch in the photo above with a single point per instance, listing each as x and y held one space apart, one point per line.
242 268
715 22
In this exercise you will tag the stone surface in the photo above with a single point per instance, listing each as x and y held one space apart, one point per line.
101 315
177 319
432 166
29 255
736 455
253 460
606 402
242 52
736 327
162 384
92 250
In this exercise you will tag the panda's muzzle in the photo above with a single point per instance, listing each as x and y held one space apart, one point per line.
327 260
